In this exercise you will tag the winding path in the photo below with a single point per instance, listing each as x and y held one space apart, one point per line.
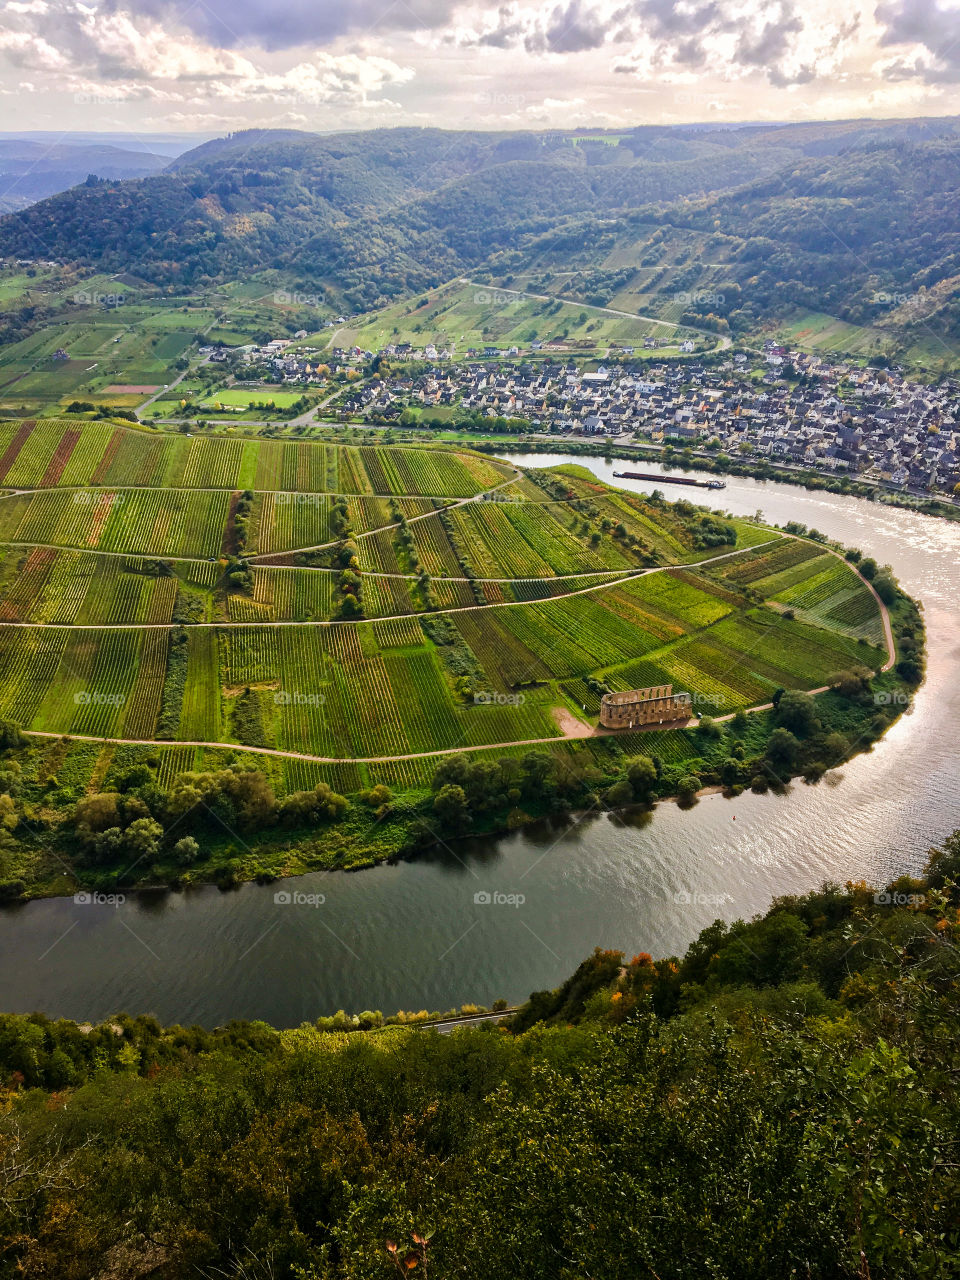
571 729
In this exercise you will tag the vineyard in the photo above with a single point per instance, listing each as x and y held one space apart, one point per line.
370 606
58 451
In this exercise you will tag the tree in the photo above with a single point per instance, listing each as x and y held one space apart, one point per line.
688 786
642 776
97 812
450 806
868 568
620 794
783 748
142 838
186 851
852 684
797 712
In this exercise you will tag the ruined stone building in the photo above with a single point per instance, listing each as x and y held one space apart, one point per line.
636 707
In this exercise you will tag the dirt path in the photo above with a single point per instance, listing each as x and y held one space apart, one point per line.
724 342
570 726
384 528
884 611
396 617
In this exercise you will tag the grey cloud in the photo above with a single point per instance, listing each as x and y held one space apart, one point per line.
672 34
925 23
772 44
572 29
285 24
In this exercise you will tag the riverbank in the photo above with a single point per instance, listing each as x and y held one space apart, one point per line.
812 480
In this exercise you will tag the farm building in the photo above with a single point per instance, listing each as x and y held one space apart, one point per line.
657 705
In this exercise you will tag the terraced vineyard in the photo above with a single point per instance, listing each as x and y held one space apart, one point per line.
389 609
57 451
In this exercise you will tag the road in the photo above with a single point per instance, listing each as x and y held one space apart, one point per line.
396 617
725 342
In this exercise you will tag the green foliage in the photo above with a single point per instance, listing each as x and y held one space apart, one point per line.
781 1100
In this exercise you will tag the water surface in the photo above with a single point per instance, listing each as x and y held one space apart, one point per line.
412 936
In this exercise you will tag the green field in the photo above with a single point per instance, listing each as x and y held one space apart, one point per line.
461 315
474 622
244 399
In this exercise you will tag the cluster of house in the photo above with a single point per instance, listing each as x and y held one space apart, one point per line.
276 363
833 416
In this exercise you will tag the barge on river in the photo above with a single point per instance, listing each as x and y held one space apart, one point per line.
687 480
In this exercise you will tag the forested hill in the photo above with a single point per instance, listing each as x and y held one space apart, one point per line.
376 214
418 203
782 1101
859 235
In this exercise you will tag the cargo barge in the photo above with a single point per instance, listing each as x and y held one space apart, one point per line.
687 480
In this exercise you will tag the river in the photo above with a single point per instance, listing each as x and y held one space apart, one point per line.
415 936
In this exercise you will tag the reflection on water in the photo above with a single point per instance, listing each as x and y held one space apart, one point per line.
424 934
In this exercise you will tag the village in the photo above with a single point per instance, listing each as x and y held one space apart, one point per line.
787 407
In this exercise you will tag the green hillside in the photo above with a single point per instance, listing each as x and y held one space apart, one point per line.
781 1100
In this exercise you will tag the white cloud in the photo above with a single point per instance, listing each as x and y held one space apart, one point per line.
502 63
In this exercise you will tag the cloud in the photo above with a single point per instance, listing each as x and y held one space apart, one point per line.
726 38
932 33
285 24
109 57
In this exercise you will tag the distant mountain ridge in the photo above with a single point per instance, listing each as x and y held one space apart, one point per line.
822 212
33 168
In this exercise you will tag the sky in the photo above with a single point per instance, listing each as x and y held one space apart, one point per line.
210 66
